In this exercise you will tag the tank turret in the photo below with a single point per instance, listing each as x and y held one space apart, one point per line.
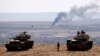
81 42
20 42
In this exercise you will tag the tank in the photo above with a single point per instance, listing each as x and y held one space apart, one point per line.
78 45
18 44
81 42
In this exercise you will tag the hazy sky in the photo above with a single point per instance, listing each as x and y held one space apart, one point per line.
8 7
28 16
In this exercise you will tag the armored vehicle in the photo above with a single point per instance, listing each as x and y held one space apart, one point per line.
81 43
79 46
19 43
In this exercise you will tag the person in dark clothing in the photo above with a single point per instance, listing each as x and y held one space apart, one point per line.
78 33
58 46
82 32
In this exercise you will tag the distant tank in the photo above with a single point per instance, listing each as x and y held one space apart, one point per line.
81 43
19 43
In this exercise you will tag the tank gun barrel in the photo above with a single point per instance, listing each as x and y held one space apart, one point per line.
11 38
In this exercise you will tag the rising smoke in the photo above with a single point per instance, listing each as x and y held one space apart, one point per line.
59 17
79 14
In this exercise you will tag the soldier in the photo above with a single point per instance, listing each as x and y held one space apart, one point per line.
82 36
78 33
82 32
58 46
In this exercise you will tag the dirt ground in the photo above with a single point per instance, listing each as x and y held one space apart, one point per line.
50 50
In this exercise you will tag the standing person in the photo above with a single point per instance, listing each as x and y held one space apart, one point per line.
58 46
78 33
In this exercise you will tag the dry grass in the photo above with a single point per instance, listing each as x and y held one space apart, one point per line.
50 50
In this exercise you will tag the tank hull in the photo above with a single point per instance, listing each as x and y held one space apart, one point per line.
19 46
79 46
